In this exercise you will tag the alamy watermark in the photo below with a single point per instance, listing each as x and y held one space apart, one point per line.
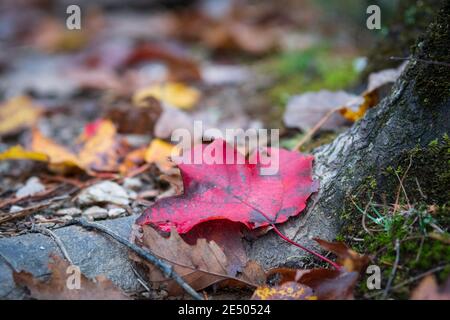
374 19
254 143
73 21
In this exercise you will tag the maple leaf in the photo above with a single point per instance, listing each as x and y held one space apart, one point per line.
236 192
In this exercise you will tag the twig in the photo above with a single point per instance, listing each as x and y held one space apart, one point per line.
394 268
57 240
316 127
140 280
420 189
15 200
402 187
421 60
422 240
30 210
166 268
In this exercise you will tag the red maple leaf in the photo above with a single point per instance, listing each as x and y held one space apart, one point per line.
238 192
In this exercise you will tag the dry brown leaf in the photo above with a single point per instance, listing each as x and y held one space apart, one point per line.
56 288
136 120
200 265
348 258
18 113
326 284
428 289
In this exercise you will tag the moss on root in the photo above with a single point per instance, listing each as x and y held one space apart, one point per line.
423 205
431 82
411 20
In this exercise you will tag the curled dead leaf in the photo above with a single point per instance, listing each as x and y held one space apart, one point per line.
348 258
57 288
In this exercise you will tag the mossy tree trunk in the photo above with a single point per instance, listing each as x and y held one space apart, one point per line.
416 113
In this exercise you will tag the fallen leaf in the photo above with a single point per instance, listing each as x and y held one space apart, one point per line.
133 160
330 284
53 36
235 35
348 258
228 236
159 152
305 110
181 67
99 149
326 284
136 120
56 288
236 192
18 113
18 153
59 158
173 93
200 265
286 291
428 289
378 79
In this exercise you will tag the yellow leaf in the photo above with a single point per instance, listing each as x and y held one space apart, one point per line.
133 160
99 151
19 153
159 152
173 93
370 100
18 113
56 154
286 291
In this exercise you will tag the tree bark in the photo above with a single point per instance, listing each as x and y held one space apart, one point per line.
416 112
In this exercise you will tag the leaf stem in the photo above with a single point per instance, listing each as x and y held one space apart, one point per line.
318 255
282 236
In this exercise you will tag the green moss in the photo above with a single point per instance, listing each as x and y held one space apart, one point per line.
313 69
410 21
431 81
430 207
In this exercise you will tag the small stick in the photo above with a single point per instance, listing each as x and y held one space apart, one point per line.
166 268
394 268
440 63
58 241
314 129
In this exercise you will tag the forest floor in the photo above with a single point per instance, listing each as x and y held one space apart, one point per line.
91 106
